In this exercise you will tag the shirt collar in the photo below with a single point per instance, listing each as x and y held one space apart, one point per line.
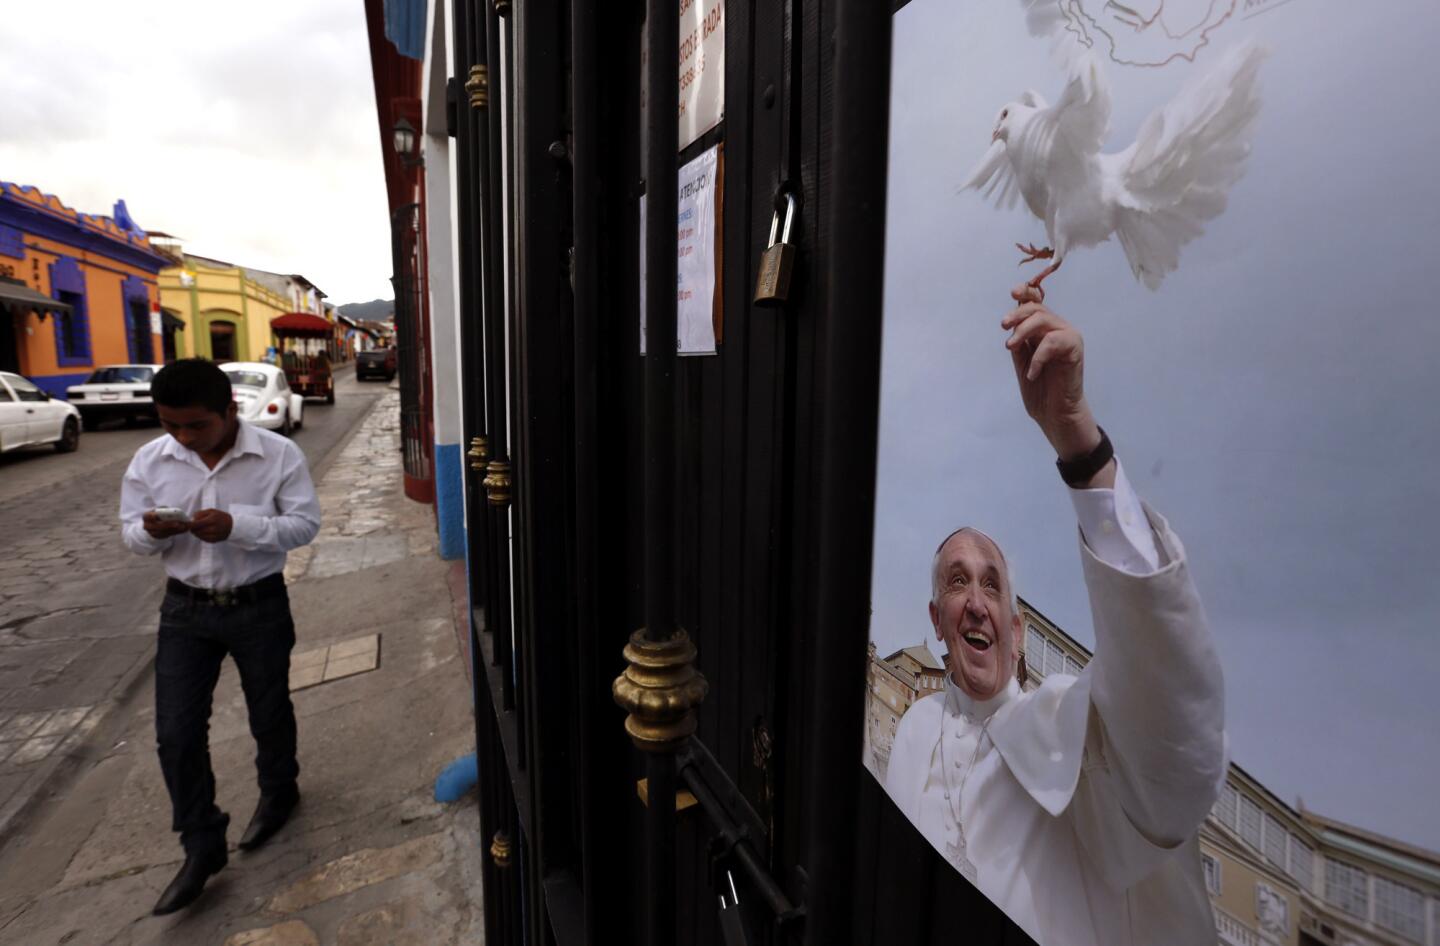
960 703
247 441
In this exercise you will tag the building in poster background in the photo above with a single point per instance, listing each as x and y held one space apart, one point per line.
1276 874
697 237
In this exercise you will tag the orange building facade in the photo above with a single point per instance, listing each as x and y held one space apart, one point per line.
103 268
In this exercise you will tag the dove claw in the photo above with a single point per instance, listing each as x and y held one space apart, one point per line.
1033 253
1035 283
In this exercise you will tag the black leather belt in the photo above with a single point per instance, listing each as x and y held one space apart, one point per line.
268 587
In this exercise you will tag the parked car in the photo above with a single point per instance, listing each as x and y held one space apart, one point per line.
264 396
376 363
29 416
114 391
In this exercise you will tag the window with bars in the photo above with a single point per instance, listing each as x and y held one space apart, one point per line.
1250 822
1212 873
1302 863
1072 666
1034 649
1400 908
1275 841
1347 888
1054 658
1225 807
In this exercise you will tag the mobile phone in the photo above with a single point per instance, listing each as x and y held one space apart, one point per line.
170 514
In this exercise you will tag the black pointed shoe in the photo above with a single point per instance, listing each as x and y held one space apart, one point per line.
270 816
190 881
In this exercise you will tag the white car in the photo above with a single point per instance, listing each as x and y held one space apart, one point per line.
29 416
264 396
114 391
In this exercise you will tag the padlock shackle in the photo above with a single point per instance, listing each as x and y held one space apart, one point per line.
775 228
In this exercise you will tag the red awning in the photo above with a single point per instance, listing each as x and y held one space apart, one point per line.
303 325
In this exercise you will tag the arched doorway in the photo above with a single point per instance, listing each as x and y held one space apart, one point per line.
222 341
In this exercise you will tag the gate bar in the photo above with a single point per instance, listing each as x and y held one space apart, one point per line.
849 399
662 29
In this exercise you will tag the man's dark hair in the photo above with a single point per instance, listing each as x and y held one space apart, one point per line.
192 382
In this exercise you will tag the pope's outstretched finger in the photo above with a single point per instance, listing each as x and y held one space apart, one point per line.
1050 346
1017 315
1042 322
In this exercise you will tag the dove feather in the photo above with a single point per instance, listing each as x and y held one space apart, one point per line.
1186 157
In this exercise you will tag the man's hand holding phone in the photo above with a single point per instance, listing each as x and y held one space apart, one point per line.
165 522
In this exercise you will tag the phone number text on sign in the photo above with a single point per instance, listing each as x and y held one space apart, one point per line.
702 67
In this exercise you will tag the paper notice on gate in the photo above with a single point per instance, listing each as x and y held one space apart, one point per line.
697 241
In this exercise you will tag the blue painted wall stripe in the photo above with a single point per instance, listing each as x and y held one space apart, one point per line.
450 499
55 384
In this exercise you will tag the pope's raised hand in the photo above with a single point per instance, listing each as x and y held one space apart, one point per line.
1049 358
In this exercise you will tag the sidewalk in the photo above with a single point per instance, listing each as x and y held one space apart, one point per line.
383 705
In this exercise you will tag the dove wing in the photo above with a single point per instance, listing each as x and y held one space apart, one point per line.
1178 174
1043 17
1079 122
1054 148
994 178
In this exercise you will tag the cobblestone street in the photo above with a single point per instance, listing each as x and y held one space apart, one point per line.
77 621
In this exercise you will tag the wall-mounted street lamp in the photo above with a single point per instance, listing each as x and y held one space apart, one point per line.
405 142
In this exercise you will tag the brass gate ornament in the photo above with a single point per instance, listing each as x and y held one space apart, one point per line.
478 86
497 483
478 454
500 849
660 690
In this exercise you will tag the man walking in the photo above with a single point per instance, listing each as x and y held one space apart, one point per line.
222 502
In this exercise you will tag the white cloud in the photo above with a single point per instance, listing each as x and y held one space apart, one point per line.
249 130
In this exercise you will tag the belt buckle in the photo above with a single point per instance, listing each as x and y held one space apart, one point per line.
223 597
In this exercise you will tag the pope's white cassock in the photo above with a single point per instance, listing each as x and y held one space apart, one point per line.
1075 807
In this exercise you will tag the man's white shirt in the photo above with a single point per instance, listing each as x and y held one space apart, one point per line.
263 482
1080 800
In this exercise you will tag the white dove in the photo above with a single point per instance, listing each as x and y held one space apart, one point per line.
1156 195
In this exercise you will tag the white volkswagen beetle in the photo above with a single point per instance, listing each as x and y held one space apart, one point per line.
30 416
264 396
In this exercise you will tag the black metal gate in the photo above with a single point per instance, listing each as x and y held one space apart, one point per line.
408 256
645 529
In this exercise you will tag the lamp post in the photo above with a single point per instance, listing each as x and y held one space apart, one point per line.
404 142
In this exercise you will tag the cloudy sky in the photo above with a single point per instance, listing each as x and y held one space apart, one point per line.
247 129
1275 399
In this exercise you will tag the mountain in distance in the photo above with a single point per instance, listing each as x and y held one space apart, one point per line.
376 310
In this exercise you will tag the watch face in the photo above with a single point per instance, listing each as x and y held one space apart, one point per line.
1221 202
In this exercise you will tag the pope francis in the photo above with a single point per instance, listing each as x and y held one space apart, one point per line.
1073 807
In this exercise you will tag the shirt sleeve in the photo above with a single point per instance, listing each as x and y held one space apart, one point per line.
297 518
1114 526
135 501
1157 753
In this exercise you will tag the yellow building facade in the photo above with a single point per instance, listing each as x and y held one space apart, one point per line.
227 308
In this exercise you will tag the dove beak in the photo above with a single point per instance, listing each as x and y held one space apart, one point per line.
995 135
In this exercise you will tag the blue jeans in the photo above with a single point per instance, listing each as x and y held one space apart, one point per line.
195 636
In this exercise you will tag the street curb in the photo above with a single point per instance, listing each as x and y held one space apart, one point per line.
64 765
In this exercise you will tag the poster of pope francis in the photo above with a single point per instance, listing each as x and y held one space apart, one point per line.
1152 489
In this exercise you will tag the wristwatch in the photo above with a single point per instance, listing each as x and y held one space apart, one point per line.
1076 473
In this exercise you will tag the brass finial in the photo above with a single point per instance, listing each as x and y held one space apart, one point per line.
502 7
500 849
497 482
479 453
660 690
478 86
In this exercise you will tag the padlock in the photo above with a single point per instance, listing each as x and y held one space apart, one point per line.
778 263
